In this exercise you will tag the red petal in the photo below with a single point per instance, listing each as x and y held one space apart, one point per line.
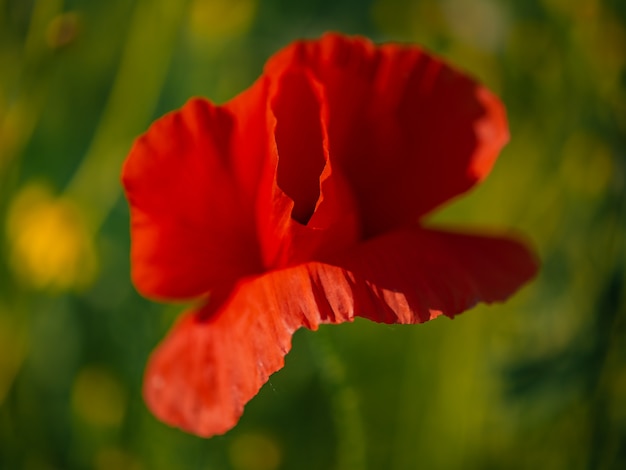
305 209
215 192
192 213
416 275
407 130
300 142
210 366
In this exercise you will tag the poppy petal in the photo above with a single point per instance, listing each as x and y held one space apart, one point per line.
409 131
210 366
192 226
416 275
306 211
300 141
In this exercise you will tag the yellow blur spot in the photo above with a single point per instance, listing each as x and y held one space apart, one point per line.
587 165
98 397
420 21
481 23
50 247
63 30
216 19
37 462
586 10
255 451
112 458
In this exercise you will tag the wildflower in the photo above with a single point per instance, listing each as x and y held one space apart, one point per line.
298 203
49 244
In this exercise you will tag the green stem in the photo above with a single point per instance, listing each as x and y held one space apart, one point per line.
351 448
21 114
136 89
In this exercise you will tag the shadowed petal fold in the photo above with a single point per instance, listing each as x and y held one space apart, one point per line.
310 212
210 366
407 130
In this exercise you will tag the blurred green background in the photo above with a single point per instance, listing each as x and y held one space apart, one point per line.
539 382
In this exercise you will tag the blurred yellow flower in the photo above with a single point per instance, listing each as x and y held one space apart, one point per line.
14 348
215 19
63 29
98 397
586 165
49 245
113 458
255 451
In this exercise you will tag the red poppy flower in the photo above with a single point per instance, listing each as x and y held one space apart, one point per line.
299 203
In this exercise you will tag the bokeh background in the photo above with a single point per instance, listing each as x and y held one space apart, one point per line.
538 382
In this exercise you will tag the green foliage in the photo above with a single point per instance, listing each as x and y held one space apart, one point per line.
537 383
